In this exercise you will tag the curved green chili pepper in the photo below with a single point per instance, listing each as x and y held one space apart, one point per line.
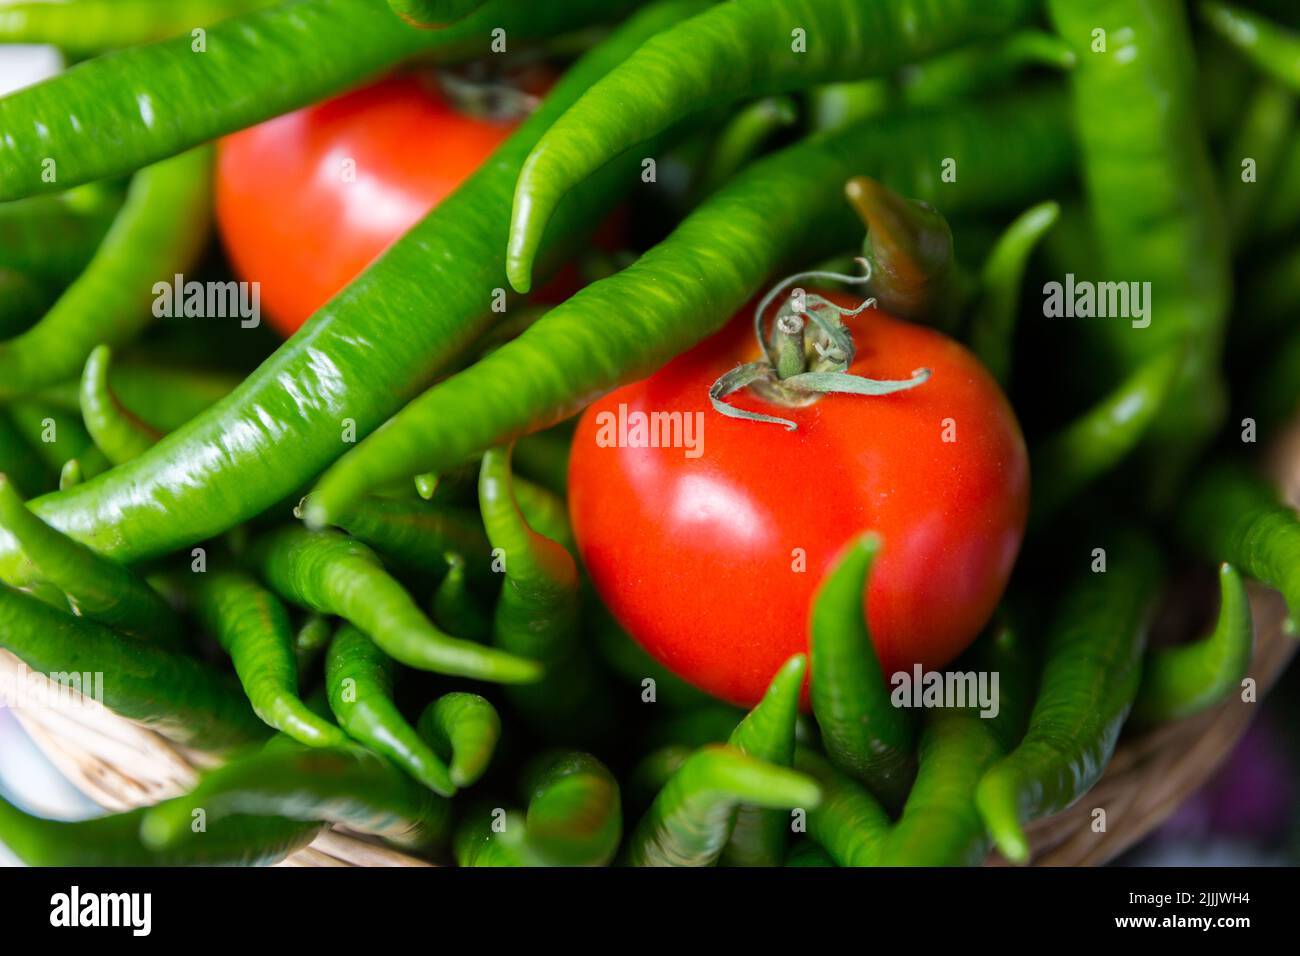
1231 513
1155 208
463 729
252 626
992 327
158 100
545 511
311 640
347 786
1091 671
99 589
784 206
1066 462
1270 46
114 840
1184 680
175 695
345 369
434 13
981 66
116 432
574 818
359 680
330 573
164 396
742 137
160 231
864 734
728 52
837 106
70 475
537 612
1262 136
89 26
454 607
688 823
758 837
849 823
51 238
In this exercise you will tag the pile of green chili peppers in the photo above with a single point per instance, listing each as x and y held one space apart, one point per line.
332 620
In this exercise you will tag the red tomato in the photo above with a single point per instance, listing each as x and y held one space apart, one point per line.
306 201
698 557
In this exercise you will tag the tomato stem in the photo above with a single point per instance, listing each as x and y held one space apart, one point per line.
788 345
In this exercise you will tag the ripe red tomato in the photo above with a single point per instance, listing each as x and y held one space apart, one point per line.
698 557
307 200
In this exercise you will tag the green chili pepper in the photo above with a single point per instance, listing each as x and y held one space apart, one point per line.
455 609
1154 208
99 589
311 640
725 53
688 823
1183 680
330 573
837 106
545 511
158 100
89 26
980 67
864 734
1269 46
348 786
165 397
170 693
252 626
544 458
784 206
1261 138
57 437
1091 672
116 432
992 327
51 238
359 678
653 771
743 136
758 837
849 823
114 840
537 613
345 369
574 818
159 231
463 729
1067 461
70 475
434 13
1232 514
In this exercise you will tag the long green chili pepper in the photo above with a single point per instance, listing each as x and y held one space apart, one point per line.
1091 671
849 823
18 460
434 13
742 137
1262 138
254 67
537 612
89 26
345 368
117 433
1067 461
173 694
359 679
574 818
728 52
99 589
253 627
1232 515
836 106
348 786
688 823
1154 207
463 729
979 67
992 327
545 511
544 458
159 232
114 840
864 734
785 206
1270 46
52 238
758 837
311 639
1183 680
332 574
418 535
455 609
164 396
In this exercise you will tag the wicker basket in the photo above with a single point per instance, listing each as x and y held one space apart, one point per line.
120 765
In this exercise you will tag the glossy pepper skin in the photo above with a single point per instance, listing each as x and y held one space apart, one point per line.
699 557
